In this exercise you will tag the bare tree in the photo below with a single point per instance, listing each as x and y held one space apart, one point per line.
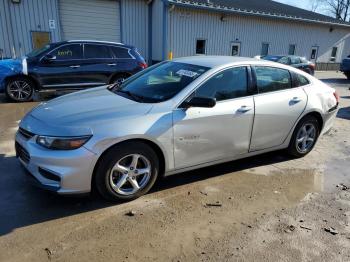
315 5
338 8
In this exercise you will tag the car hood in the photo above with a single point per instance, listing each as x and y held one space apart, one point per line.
78 113
10 67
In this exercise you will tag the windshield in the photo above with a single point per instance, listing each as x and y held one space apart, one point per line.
161 82
38 51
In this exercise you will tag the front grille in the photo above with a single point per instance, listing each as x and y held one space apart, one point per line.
22 153
26 134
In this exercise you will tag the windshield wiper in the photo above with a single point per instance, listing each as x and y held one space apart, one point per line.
137 98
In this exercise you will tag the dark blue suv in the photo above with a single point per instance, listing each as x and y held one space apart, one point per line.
68 65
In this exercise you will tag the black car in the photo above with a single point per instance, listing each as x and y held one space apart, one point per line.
294 61
345 67
68 65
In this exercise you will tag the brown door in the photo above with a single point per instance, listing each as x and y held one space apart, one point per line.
40 39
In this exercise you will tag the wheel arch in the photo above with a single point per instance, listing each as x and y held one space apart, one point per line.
317 115
113 76
33 79
150 143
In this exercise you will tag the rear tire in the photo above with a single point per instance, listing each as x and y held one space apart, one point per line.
20 89
304 137
127 171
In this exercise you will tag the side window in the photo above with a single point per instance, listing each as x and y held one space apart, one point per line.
231 83
299 80
295 60
92 51
120 52
271 79
68 52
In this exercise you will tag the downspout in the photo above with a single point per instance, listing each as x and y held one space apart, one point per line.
13 49
150 30
121 20
165 29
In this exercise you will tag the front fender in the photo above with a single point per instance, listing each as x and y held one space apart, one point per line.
155 128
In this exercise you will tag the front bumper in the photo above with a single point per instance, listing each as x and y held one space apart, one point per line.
61 171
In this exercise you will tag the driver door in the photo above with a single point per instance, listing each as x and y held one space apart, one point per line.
203 135
64 69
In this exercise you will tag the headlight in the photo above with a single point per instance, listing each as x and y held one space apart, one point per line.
62 143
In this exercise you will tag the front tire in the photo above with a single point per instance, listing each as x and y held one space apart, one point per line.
304 137
127 171
19 89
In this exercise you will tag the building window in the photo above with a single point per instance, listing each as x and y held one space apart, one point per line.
200 47
291 50
264 49
334 54
313 55
235 49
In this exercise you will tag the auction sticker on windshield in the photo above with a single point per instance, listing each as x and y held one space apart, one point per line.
183 72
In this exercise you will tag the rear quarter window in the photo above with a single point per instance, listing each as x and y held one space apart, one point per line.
121 52
299 80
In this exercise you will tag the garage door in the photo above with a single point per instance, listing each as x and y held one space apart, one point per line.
90 19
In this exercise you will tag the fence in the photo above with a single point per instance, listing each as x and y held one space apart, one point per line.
327 66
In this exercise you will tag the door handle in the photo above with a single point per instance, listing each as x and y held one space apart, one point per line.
75 66
244 109
112 64
295 100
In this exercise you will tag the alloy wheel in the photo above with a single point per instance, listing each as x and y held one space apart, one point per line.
130 174
19 90
306 138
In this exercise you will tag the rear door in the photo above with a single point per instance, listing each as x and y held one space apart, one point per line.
98 65
278 105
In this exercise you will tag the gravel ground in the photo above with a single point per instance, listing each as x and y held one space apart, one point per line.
264 208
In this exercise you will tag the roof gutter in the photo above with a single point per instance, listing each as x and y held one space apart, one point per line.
223 9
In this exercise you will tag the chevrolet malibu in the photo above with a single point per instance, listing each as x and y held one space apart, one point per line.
172 117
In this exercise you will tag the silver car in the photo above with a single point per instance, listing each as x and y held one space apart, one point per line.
172 117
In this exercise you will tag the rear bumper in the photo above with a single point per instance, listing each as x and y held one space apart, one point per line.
329 120
63 172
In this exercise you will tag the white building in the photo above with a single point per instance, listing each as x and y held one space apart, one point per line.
160 28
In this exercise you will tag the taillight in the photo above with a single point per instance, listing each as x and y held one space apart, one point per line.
312 66
336 96
143 65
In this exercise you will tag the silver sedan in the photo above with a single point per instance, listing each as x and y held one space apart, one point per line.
172 117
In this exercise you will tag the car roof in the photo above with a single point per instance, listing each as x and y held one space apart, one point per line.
217 61
94 42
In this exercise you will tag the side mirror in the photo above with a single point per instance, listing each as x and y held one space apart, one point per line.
49 58
207 102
